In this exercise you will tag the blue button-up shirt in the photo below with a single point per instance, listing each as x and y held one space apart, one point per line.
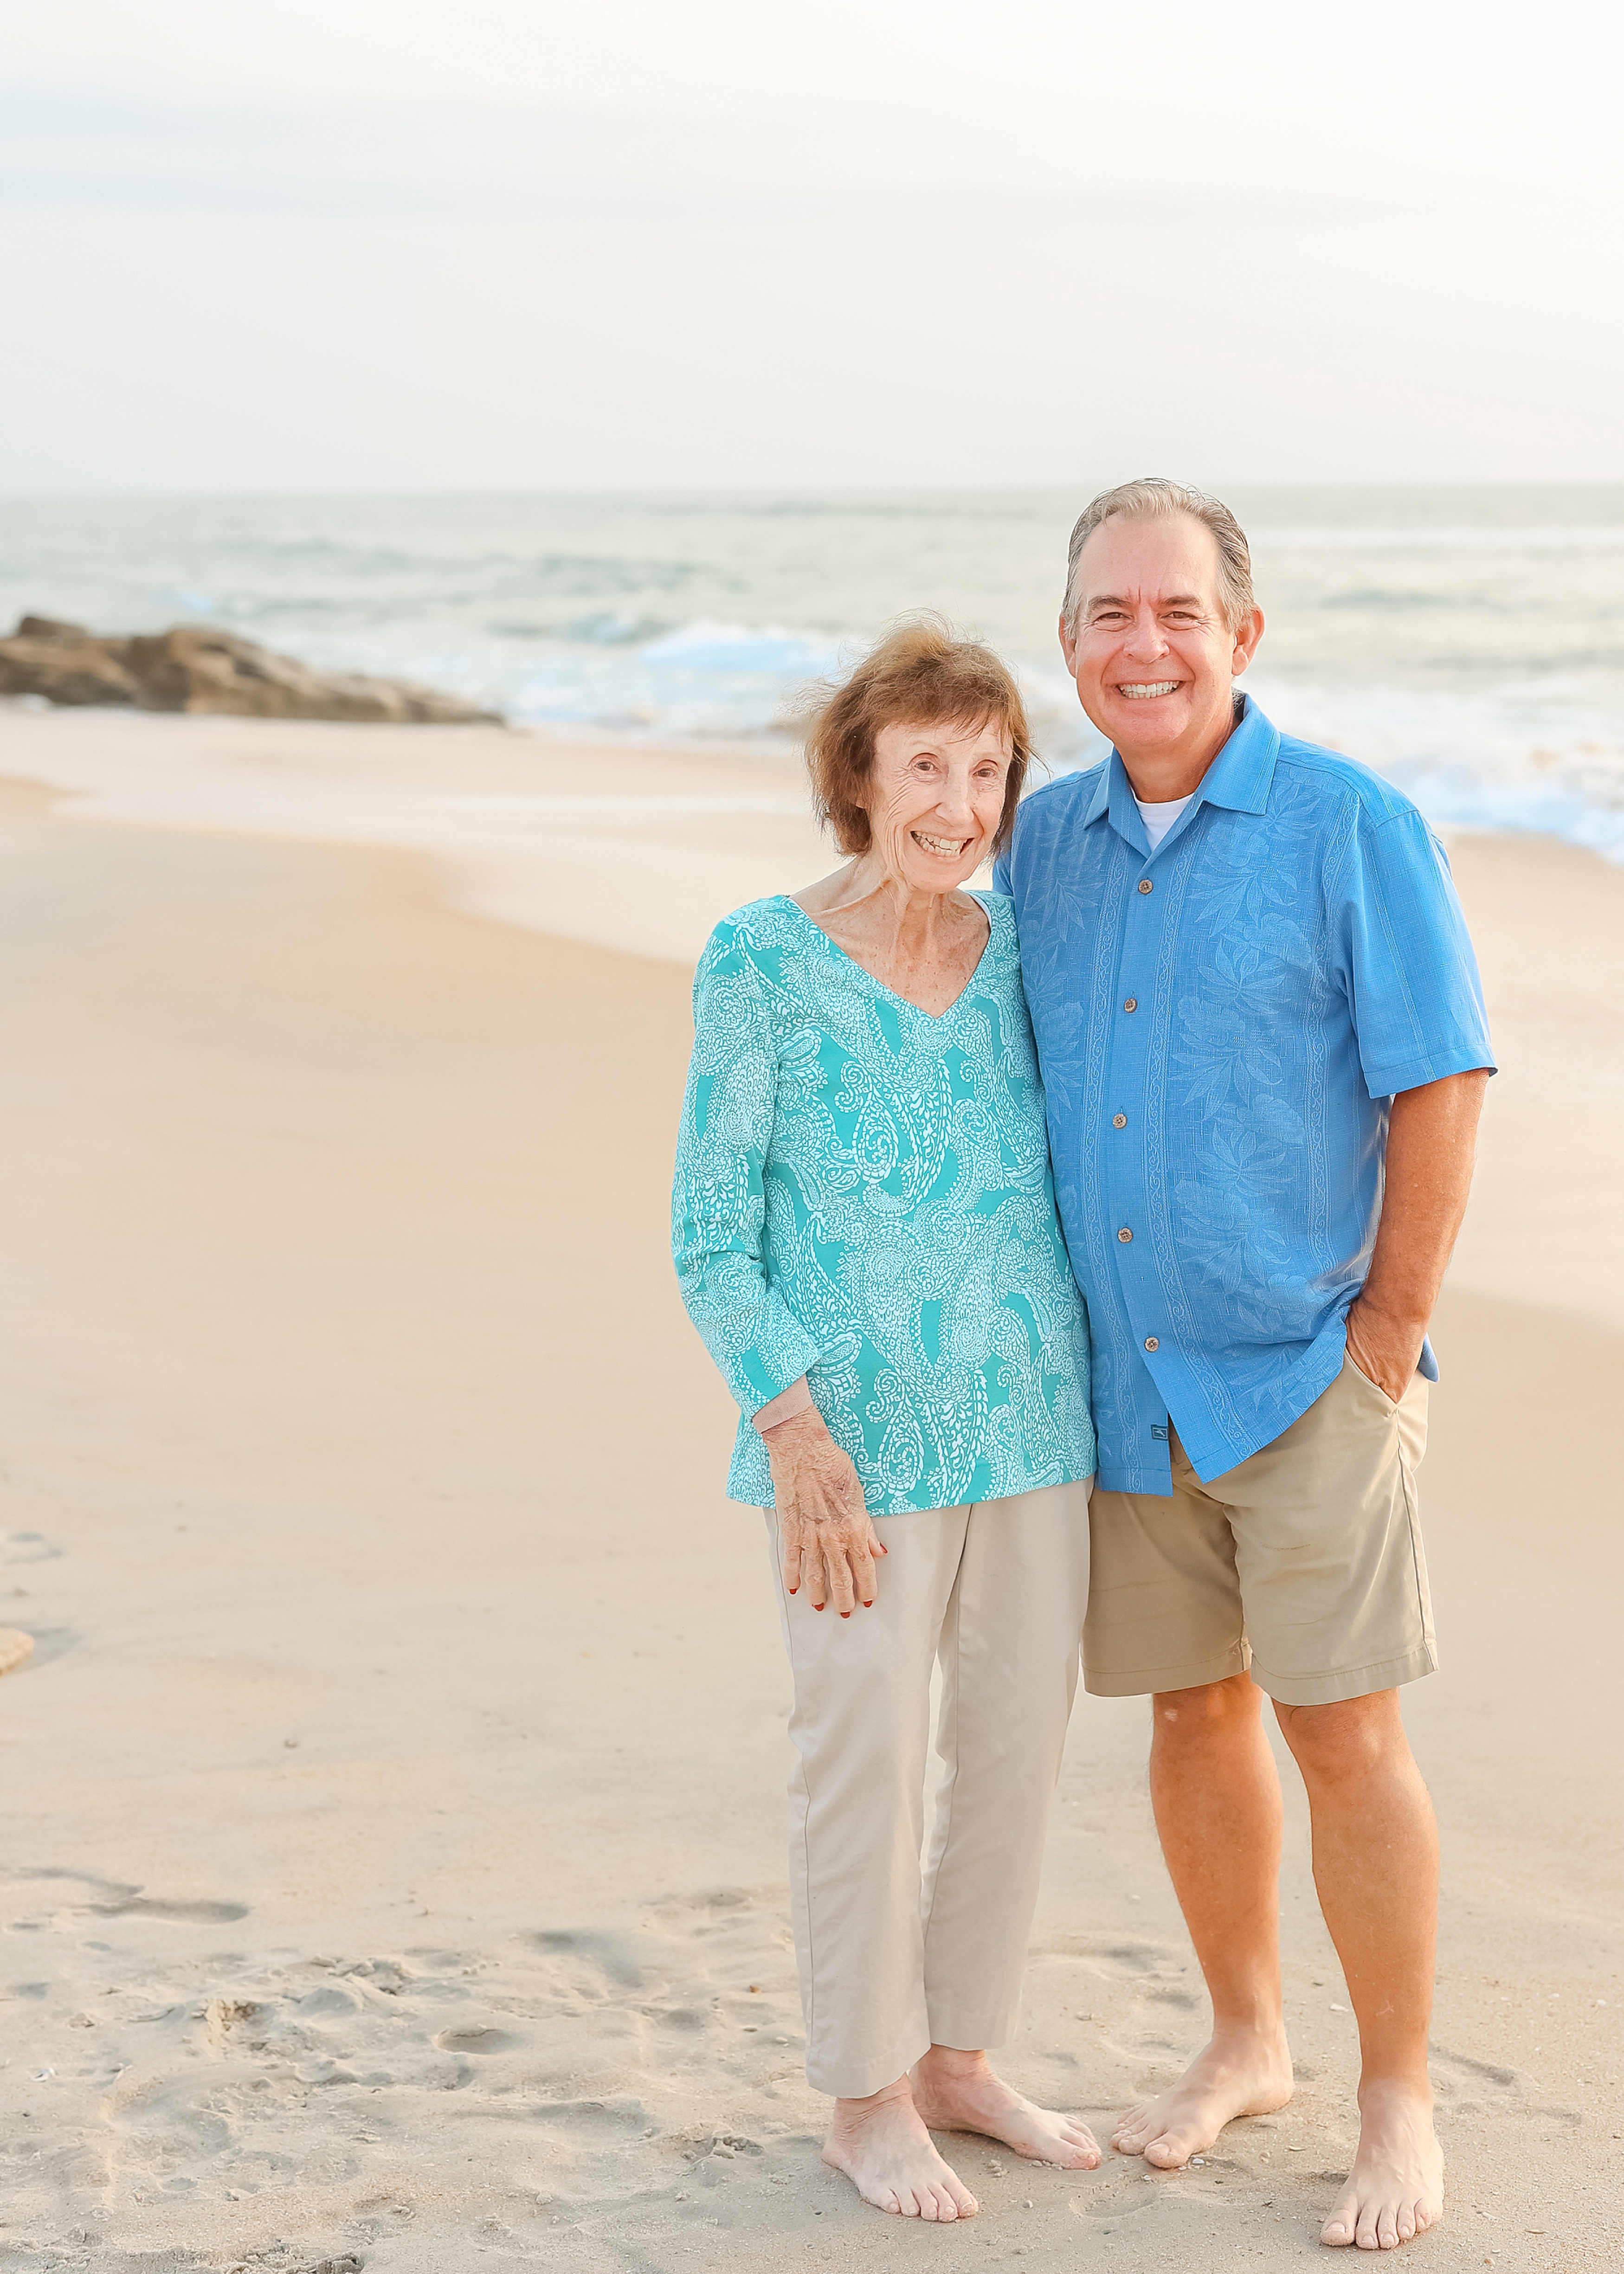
1222 1025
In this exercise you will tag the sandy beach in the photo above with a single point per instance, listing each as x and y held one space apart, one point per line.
393 1871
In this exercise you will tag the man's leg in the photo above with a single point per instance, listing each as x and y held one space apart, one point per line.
1376 1869
1216 1795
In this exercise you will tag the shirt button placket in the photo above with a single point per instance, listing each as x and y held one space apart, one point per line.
1136 1071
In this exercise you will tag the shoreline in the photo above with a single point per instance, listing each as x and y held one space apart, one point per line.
401 1765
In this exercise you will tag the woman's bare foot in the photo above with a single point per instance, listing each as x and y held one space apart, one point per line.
1395 2189
882 2147
958 2092
1240 2073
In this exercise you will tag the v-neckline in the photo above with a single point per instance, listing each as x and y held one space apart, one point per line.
918 1009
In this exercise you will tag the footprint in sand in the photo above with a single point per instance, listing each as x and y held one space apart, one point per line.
1465 2086
27 1547
618 1958
473 2038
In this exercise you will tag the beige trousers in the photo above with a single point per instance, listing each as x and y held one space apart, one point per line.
892 1960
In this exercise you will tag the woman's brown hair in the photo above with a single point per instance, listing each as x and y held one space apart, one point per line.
918 674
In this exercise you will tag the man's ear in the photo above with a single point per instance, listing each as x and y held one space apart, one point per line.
1068 645
1246 637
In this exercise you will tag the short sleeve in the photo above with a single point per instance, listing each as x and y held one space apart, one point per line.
1406 960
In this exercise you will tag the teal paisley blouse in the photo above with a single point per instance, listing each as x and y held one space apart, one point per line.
863 1196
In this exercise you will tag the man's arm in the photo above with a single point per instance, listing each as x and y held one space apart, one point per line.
1431 1142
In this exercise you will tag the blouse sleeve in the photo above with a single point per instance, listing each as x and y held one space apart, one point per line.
719 1197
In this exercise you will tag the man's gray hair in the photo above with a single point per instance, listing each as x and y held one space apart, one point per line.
1152 499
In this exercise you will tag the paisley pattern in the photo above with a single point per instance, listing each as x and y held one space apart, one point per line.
863 1196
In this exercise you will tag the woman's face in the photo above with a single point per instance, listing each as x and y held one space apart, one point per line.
935 798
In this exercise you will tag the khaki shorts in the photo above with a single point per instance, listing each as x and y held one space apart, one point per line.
1305 1564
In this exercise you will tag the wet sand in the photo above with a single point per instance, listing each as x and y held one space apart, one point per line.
392 1852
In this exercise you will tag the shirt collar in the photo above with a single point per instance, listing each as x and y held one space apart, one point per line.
1238 778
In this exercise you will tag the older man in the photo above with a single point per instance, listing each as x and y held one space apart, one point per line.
1264 1050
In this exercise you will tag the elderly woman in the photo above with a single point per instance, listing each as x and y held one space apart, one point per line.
865 1234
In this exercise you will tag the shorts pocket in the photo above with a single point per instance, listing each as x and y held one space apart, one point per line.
1389 1406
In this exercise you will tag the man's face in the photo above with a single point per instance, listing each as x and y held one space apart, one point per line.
1152 654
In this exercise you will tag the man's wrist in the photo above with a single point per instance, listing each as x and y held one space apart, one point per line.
1398 1319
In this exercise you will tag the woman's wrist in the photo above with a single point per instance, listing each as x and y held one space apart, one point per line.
802 1430
788 1403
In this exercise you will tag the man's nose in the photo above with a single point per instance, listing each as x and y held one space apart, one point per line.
1145 642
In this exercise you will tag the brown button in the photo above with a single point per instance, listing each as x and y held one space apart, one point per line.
1145 886
1119 1121
1124 1234
1151 1343
1132 1003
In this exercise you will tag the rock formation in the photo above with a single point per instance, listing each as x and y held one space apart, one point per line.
192 668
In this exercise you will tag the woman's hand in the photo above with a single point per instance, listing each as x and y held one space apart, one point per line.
828 1538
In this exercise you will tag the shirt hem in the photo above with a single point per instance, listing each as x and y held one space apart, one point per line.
1415 1073
745 1498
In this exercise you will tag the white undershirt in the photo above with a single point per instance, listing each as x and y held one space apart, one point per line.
1158 819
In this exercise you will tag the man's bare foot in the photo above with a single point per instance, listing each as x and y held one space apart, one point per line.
1240 2073
882 2147
1395 2189
958 2092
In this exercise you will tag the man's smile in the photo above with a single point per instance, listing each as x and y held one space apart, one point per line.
1144 690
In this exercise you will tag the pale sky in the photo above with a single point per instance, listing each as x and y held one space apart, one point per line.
388 244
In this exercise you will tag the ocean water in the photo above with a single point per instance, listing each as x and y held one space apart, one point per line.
1467 643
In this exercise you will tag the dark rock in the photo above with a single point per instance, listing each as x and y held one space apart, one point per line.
51 628
192 668
64 665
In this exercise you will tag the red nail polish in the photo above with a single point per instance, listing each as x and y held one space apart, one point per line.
845 1614
817 1606
794 1591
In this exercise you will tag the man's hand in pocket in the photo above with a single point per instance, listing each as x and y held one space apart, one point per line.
1385 1349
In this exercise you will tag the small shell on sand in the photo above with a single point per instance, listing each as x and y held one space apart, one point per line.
16 1649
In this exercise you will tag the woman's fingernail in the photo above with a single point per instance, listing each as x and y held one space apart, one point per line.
817 1606
845 1614
794 1591
868 1602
